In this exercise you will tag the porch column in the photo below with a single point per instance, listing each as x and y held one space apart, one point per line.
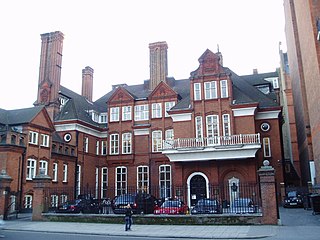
41 184
5 181
268 194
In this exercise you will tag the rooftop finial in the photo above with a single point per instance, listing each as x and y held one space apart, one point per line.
218 50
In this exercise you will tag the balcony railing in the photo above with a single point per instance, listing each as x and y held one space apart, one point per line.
196 143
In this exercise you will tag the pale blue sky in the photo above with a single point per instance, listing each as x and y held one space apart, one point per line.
112 37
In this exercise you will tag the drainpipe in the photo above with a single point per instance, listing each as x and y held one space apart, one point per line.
75 167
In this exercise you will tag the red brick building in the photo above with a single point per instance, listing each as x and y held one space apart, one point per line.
213 128
303 50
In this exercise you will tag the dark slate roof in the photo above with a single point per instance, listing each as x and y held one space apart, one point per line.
77 108
18 116
258 78
245 92
141 91
56 138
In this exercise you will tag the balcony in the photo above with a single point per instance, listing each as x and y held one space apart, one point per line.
215 148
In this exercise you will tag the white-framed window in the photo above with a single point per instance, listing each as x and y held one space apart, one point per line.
156 141
199 131
28 201
104 182
33 137
94 116
31 169
141 112
44 140
143 179
43 167
126 113
97 183
197 91
212 122
54 172
274 81
266 147
54 200
65 173
156 110
104 147
86 144
63 198
114 144
168 106
121 180
103 118
169 134
126 143
165 181
114 114
226 124
224 88
210 90
97 147
78 180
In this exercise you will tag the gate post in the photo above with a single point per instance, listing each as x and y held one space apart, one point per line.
268 194
41 184
5 181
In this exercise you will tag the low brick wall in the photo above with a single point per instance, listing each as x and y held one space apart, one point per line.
223 219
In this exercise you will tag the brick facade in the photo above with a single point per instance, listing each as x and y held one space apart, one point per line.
207 126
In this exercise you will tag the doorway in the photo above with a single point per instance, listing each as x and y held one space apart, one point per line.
198 188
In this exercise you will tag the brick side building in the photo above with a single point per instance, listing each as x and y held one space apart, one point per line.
214 128
302 35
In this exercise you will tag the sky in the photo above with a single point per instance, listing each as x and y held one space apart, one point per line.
113 36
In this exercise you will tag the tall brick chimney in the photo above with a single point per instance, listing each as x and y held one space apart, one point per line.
87 83
50 71
158 63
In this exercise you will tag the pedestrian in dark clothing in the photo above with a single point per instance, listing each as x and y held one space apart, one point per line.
128 218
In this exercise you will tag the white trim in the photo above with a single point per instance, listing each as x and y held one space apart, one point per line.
139 132
188 185
268 115
239 112
80 128
181 117
212 153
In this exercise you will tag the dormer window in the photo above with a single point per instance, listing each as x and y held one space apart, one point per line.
63 101
274 81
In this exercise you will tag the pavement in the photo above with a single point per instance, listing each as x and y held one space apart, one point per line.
162 231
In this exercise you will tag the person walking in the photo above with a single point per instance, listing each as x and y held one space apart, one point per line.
128 218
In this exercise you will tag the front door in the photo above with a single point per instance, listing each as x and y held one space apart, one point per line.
198 189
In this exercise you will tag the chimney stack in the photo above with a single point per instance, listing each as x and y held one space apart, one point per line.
255 71
158 63
50 71
87 83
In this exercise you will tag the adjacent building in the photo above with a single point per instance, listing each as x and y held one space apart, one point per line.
303 55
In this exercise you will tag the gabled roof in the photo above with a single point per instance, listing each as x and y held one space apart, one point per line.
19 116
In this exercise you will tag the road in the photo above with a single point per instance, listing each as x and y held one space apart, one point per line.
297 224
14 235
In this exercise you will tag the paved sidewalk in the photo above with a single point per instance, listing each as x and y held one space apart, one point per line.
165 231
